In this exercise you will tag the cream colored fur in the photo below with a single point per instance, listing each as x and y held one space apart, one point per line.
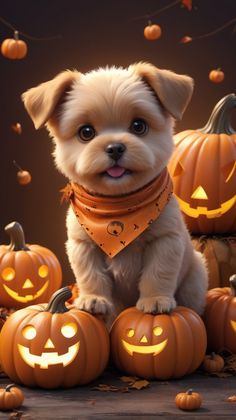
159 268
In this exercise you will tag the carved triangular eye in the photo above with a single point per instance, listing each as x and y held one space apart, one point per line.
178 169
199 193
228 170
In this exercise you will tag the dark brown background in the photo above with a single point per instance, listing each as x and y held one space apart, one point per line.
95 33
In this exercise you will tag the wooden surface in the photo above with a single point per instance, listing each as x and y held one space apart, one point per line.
155 401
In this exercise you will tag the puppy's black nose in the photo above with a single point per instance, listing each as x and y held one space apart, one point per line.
115 150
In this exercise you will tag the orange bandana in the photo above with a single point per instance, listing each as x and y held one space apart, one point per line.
114 222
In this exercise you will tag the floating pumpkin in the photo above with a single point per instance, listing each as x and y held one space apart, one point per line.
216 76
203 169
213 363
152 31
220 317
28 273
14 48
220 254
11 397
53 345
159 346
189 400
23 176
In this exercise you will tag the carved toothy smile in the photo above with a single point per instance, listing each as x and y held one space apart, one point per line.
26 298
48 358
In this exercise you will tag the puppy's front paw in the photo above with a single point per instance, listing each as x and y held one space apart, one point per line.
94 304
156 304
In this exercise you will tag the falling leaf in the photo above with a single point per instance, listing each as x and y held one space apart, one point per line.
187 4
186 39
17 128
232 398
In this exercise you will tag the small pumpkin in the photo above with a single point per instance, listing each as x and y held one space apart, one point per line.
28 273
220 317
53 345
158 346
220 255
11 397
152 31
188 400
216 76
213 363
203 169
14 48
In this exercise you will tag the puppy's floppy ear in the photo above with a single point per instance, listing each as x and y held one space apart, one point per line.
41 101
173 90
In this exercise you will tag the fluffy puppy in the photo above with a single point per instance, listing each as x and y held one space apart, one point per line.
112 129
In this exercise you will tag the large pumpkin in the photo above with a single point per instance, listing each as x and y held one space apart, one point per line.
220 254
220 317
52 345
158 346
28 273
203 169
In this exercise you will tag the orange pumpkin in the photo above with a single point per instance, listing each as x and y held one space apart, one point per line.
220 317
159 346
11 397
28 273
213 363
189 400
14 48
152 31
53 345
220 254
203 169
216 76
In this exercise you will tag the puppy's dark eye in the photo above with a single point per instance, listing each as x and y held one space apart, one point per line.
86 132
139 127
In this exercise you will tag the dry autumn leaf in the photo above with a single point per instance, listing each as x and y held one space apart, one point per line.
187 4
186 39
17 128
232 398
140 384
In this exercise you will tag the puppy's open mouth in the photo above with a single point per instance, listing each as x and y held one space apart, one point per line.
116 172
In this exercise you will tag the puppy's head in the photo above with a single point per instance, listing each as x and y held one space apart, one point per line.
112 127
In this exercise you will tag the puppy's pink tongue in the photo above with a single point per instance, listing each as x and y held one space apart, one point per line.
115 171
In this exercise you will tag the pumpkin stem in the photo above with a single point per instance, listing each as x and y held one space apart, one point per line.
16 233
219 120
57 301
232 281
8 387
189 392
16 35
212 355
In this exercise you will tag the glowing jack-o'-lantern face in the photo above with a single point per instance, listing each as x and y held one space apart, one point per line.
28 273
30 291
49 355
53 345
158 346
203 169
144 347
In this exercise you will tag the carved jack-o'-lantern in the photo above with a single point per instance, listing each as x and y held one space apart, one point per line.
203 169
28 273
158 346
53 345
220 317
